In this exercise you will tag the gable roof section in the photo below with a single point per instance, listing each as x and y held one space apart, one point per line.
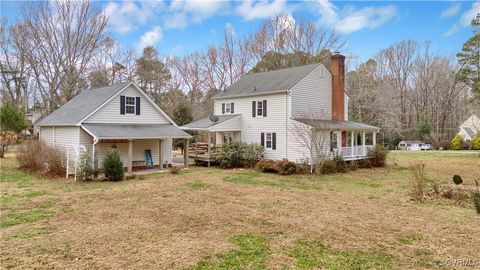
268 82
82 105
135 131
469 132
206 123
334 125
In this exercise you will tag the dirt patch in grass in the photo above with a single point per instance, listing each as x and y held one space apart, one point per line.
207 217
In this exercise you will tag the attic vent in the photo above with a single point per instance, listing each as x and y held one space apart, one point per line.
213 118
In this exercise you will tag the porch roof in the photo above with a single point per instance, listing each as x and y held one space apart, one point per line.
135 131
337 125
213 123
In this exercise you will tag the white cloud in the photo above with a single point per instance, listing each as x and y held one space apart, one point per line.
451 11
452 30
470 14
125 17
150 38
181 13
350 19
250 10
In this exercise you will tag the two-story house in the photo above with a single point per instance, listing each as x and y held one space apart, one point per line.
119 116
265 107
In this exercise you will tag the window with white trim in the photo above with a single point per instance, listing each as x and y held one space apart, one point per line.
130 105
268 140
228 107
260 108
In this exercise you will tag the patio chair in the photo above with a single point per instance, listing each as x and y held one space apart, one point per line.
148 159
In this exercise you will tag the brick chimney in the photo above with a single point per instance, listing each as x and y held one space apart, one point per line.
337 68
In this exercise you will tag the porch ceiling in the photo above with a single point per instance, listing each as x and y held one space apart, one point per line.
135 131
337 125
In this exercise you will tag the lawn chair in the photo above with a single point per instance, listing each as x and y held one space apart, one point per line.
148 159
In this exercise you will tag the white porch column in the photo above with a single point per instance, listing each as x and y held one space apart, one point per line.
130 154
160 155
352 142
363 144
209 140
374 138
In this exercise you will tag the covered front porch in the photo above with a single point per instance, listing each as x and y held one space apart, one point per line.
141 146
210 133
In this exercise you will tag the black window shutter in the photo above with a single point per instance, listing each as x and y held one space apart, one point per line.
137 104
274 141
262 139
265 108
231 108
223 108
122 104
253 109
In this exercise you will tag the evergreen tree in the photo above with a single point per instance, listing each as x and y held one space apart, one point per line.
469 59
152 74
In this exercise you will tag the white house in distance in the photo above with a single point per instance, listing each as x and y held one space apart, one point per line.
263 107
121 116
470 127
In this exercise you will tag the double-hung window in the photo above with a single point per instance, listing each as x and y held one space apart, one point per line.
260 108
228 107
268 140
130 105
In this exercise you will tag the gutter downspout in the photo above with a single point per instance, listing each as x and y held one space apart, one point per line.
95 169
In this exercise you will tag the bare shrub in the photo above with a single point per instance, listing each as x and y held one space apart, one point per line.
419 182
36 156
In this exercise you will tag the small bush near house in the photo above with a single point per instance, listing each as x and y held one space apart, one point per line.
329 166
457 142
476 198
419 182
266 165
364 163
353 165
174 170
285 167
476 142
113 166
340 163
443 145
84 166
237 154
378 156
457 179
36 156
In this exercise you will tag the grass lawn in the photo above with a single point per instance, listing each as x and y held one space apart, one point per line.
208 218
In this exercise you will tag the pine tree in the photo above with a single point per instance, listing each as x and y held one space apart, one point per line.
469 59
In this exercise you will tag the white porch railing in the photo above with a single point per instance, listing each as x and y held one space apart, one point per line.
355 151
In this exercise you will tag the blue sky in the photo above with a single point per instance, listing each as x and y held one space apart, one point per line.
179 27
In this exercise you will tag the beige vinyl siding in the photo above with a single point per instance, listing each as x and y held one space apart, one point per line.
138 154
86 140
347 100
110 112
313 94
46 135
233 124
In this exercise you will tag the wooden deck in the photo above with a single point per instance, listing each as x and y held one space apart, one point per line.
199 153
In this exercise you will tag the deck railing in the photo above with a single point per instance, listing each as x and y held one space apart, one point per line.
355 151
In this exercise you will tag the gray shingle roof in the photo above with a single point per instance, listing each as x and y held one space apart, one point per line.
343 125
132 131
277 80
206 123
469 131
81 105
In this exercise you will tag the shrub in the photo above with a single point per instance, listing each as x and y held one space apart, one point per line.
36 156
476 142
377 156
457 179
266 165
285 167
84 166
443 145
457 142
364 163
113 166
419 182
340 163
174 170
476 198
329 166
237 154
353 165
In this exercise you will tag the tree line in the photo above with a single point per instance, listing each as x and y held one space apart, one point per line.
58 49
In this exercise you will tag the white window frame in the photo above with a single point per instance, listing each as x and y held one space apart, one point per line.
268 140
228 107
260 108
127 105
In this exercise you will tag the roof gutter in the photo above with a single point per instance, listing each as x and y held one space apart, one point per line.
250 94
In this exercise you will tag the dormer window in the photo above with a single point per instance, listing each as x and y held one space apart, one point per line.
130 105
